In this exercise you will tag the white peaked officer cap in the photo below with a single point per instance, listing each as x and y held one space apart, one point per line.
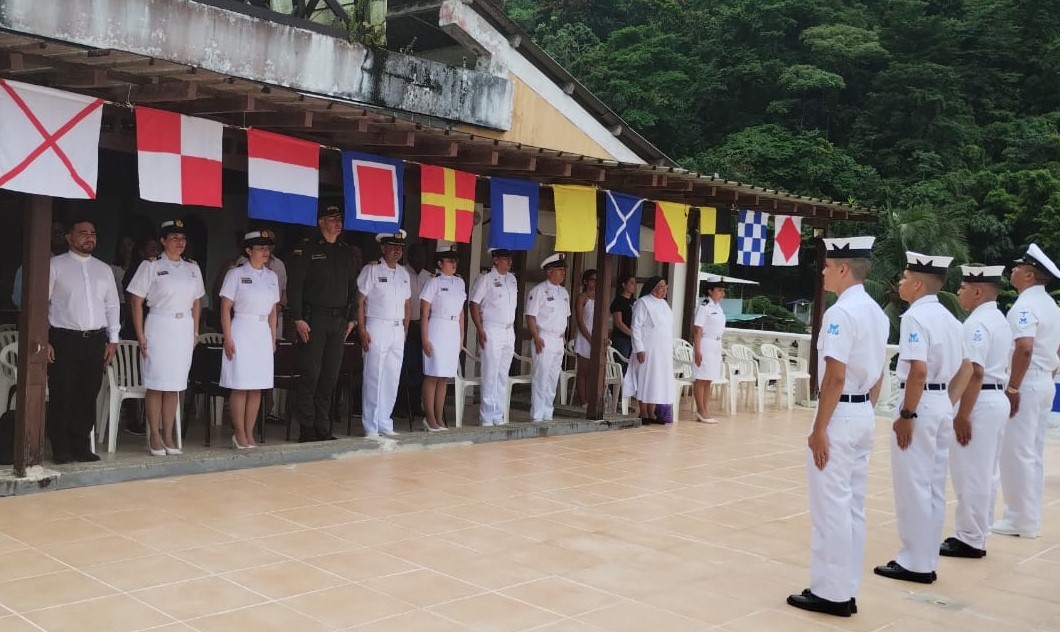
982 274
849 247
927 264
1035 257
392 239
445 250
558 260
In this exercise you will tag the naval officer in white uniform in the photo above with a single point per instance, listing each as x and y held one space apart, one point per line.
930 353
850 353
982 410
172 287
383 312
493 301
547 312
707 330
442 329
1035 322
249 296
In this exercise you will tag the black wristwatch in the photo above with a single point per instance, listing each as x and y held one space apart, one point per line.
905 413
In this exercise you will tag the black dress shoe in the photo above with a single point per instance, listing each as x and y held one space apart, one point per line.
953 547
809 601
894 570
86 457
62 459
853 605
325 436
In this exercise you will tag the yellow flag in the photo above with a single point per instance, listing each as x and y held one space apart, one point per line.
708 220
576 222
715 230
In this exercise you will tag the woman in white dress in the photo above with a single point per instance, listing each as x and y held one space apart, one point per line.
249 295
651 369
442 301
707 330
171 286
584 308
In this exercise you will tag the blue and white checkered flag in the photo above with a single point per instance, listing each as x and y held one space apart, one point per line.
751 238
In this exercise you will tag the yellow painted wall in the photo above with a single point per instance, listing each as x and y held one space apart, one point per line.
538 123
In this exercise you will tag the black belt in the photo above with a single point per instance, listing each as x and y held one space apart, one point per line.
993 387
853 399
77 333
930 387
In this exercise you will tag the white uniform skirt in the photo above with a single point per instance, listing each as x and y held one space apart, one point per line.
251 368
444 335
710 369
170 342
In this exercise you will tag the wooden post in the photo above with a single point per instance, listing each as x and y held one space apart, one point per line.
605 282
33 334
695 250
519 258
818 310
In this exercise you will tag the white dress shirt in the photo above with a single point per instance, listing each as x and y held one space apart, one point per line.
988 342
385 289
550 305
930 333
82 296
496 295
854 331
1035 315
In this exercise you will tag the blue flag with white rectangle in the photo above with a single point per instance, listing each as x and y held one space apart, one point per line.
622 224
513 213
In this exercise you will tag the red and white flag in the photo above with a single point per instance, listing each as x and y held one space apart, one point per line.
179 158
787 239
49 141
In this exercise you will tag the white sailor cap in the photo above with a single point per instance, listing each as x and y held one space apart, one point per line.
392 239
712 281
849 247
446 250
500 252
1035 257
927 264
982 274
263 237
558 260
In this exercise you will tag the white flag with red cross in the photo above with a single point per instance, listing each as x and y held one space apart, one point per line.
179 158
787 239
49 141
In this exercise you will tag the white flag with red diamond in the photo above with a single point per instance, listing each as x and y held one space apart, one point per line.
787 238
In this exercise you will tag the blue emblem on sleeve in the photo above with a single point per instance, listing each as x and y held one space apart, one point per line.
833 329
1023 319
977 335
914 337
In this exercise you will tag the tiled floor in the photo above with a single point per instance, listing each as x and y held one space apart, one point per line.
688 527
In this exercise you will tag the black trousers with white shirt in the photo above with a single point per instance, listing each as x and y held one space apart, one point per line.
73 384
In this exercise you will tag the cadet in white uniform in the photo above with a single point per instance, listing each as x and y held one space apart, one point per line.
982 411
172 288
850 353
493 301
249 296
442 332
707 330
383 312
930 352
547 311
1035 322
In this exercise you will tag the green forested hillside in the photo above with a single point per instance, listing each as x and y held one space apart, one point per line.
944 113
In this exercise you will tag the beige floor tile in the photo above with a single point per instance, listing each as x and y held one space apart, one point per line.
253 526
43 591
232 556
349 605
303 544
562 596
144 572
98 550
27 563
37 533
116 613
8 544
361 564
790 620
423 587
631 616
260 618
373 532
484 571
568 625
316 516
199 598
136 519
494 612
415 620
284 579
13 623
550 559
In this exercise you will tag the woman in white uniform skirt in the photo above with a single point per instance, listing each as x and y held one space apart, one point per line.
707 330
249 295
442 300
651 369
171 286
584 308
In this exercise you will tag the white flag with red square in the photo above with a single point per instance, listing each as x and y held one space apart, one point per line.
49 141
179 158
787 239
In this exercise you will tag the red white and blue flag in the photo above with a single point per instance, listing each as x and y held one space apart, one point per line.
284 178
374 189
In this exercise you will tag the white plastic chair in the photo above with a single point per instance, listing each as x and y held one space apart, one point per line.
125 382
8 374
613 380
793 370
567 376
462 384
741 379
769 370
684 371
523 378
621 398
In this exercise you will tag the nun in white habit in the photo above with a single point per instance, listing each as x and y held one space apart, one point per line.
651 370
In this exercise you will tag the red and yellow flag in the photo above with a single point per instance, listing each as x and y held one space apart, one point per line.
447 203
671 230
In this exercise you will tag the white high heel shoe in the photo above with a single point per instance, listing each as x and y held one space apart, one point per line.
705 420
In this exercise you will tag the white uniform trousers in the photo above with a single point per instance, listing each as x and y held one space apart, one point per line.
1022 448
919 475
496 357
973 467
545 377
837 503
382 372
